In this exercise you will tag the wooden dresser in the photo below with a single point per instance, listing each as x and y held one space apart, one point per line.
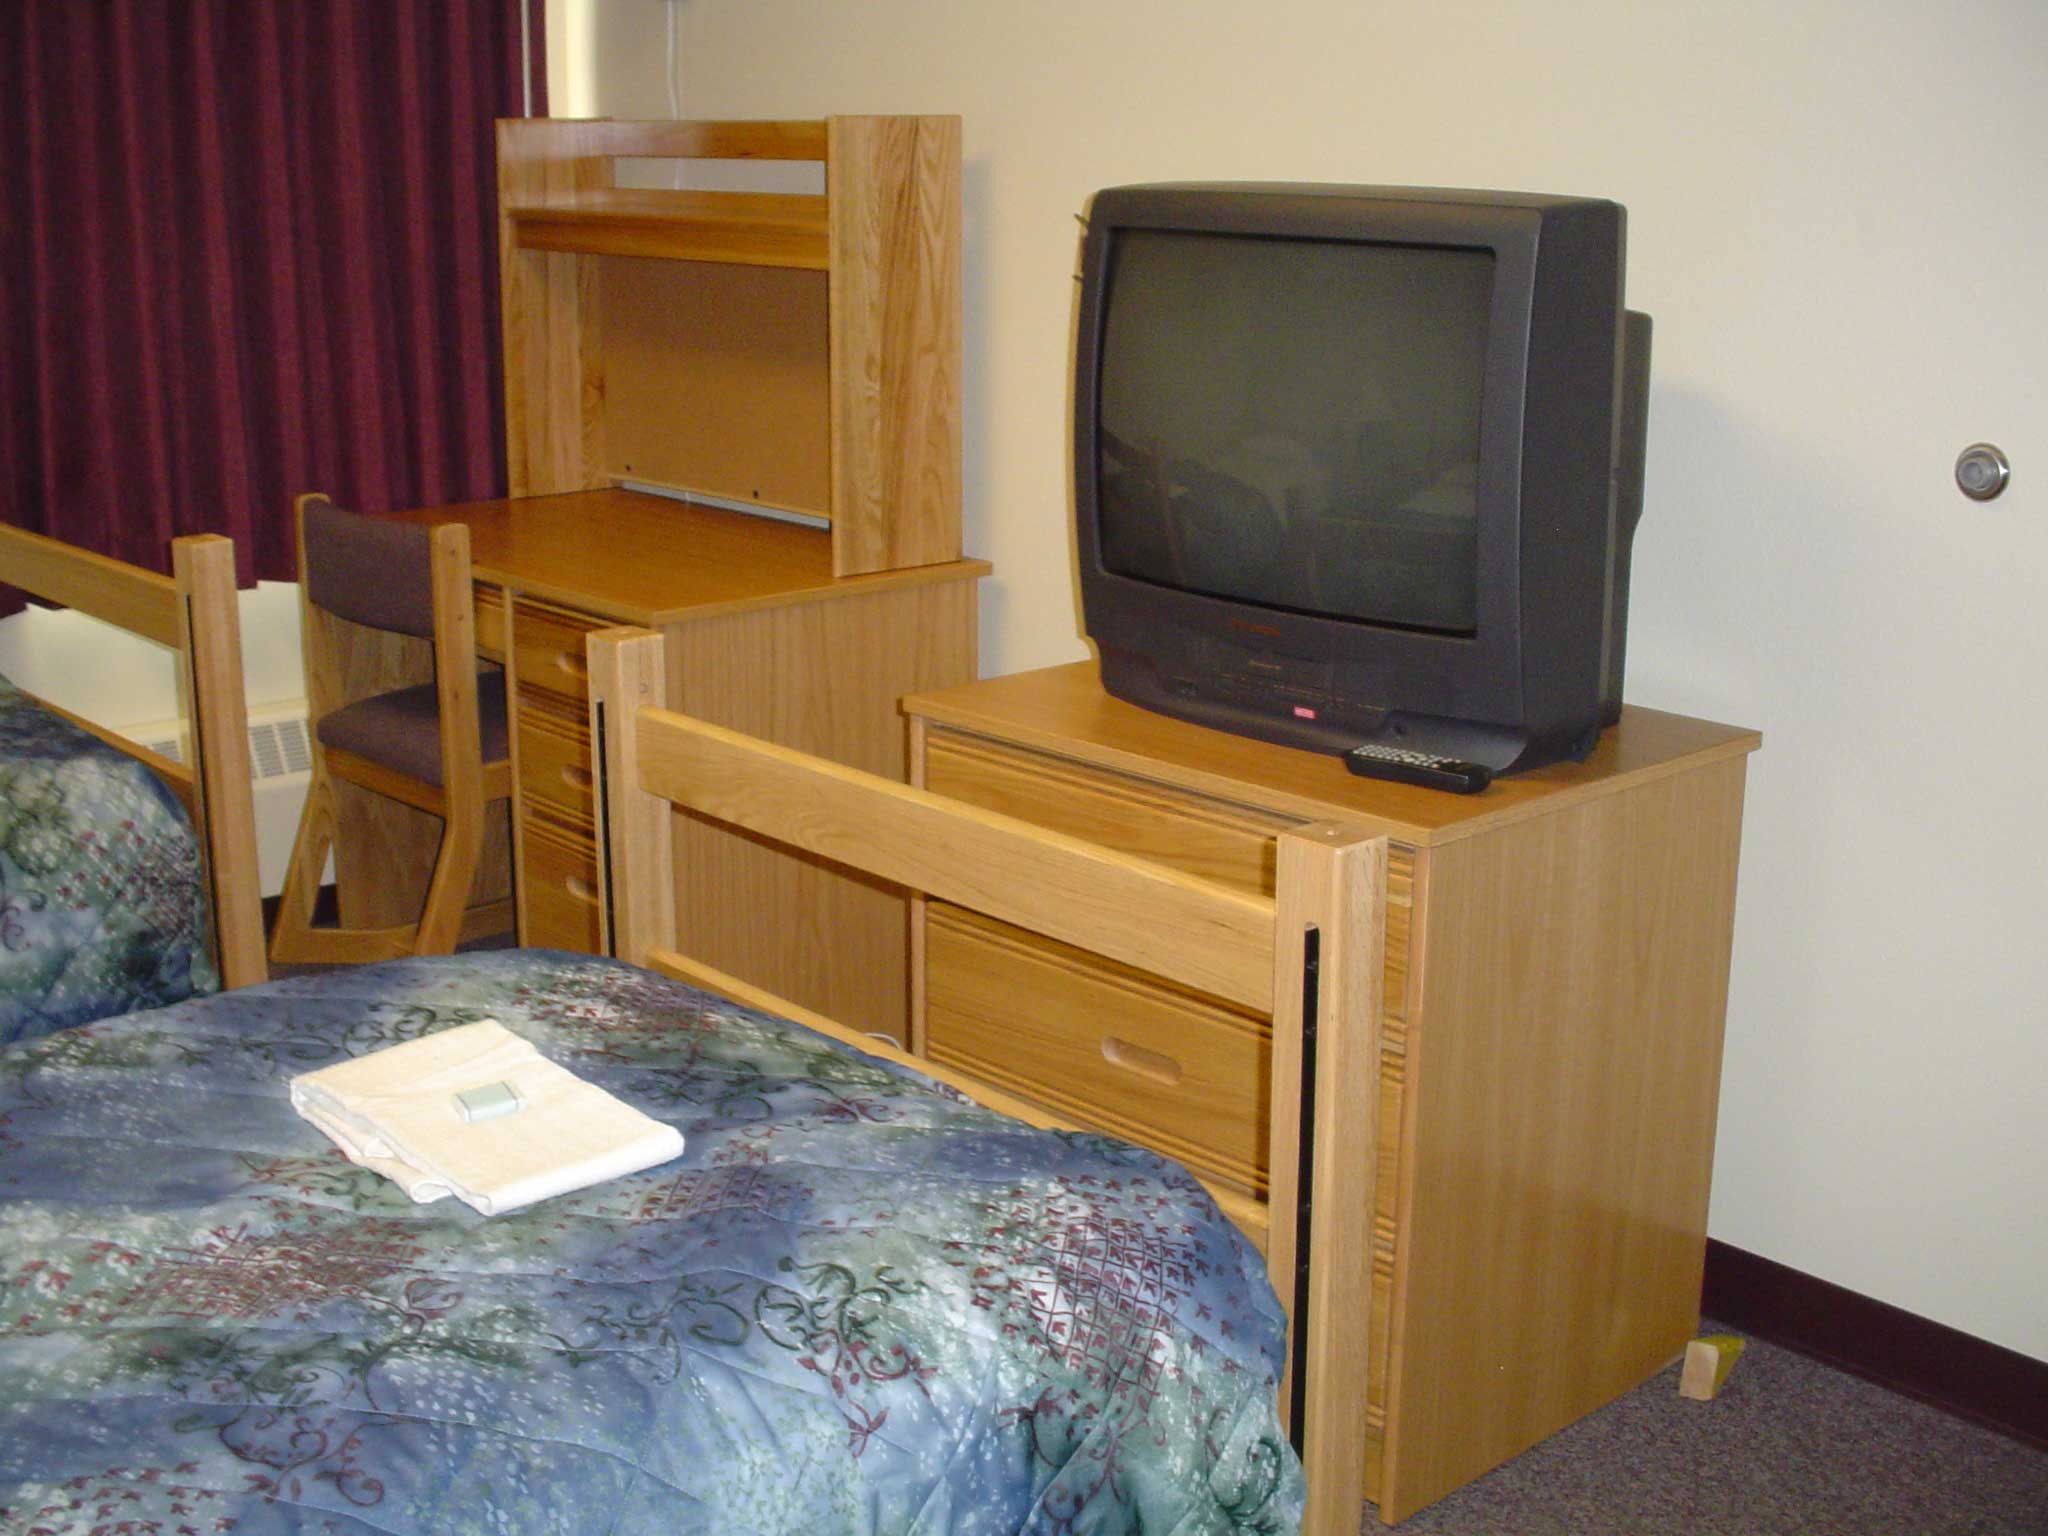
1556 979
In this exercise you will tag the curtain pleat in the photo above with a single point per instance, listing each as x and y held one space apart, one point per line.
248 249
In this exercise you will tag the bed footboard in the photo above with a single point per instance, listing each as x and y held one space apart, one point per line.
1312 955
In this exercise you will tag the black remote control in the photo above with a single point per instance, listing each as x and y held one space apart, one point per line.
1405 767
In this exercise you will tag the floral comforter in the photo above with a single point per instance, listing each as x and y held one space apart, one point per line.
856 1303
102 909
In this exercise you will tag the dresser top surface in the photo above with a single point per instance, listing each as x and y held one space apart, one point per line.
1064 710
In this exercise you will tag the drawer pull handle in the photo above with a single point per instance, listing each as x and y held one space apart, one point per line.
1135 1058
581 889
576 778
573 664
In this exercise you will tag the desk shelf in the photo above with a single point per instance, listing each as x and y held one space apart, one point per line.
763 229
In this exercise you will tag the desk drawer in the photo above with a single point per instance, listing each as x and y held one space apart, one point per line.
548 649
554 757
558 888
1170 1068
489 603
1217 839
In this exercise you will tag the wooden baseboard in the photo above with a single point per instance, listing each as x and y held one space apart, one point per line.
1987 1384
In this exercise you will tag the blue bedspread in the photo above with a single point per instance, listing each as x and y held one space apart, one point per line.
102 910
857 1302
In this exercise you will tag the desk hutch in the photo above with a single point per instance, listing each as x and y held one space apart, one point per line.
667 351
1555 982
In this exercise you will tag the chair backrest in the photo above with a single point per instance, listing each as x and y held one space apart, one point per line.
371 572
384 575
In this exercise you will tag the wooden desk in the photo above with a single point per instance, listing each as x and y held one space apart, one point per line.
1555 980
761 637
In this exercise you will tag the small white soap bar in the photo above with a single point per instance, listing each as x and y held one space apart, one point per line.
488 1102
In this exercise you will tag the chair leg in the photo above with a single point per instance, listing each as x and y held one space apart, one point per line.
295 940
440 926
291 933
443 916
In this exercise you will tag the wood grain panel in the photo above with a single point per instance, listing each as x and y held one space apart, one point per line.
754 229
717 381
822 677
893 184
210 695
1563 1073
705 138
551 340
1326 1059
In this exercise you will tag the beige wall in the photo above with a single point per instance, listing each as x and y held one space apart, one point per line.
1837 220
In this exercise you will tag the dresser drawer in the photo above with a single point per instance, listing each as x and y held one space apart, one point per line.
1034 1017
1217 839
554 756
558 888
1172 1069
547 646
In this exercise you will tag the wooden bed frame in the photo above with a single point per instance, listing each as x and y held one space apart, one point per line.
1310 954
192 611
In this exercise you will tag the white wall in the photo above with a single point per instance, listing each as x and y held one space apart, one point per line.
124 682
1837 219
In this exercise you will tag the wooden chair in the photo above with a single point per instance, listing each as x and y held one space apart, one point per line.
439 746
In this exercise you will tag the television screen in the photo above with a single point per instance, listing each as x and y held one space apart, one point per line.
1296 422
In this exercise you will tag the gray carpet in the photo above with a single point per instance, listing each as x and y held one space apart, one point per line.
1789 1448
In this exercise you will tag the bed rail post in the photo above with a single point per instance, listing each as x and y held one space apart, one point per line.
210 682
635 830
1328 956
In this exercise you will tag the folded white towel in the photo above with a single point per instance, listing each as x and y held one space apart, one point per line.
397 1112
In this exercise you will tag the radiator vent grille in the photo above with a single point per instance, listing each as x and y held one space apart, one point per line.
276 747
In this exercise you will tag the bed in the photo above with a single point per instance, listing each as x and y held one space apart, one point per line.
127 880
865 1298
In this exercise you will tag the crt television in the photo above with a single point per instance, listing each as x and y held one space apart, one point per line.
1360 465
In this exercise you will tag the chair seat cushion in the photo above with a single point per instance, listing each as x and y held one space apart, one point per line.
401 730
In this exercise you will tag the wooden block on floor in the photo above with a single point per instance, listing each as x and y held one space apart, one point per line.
1708 1361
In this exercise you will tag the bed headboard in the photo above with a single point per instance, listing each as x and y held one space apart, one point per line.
192 611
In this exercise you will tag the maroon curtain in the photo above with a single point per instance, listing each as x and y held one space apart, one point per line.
248 249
